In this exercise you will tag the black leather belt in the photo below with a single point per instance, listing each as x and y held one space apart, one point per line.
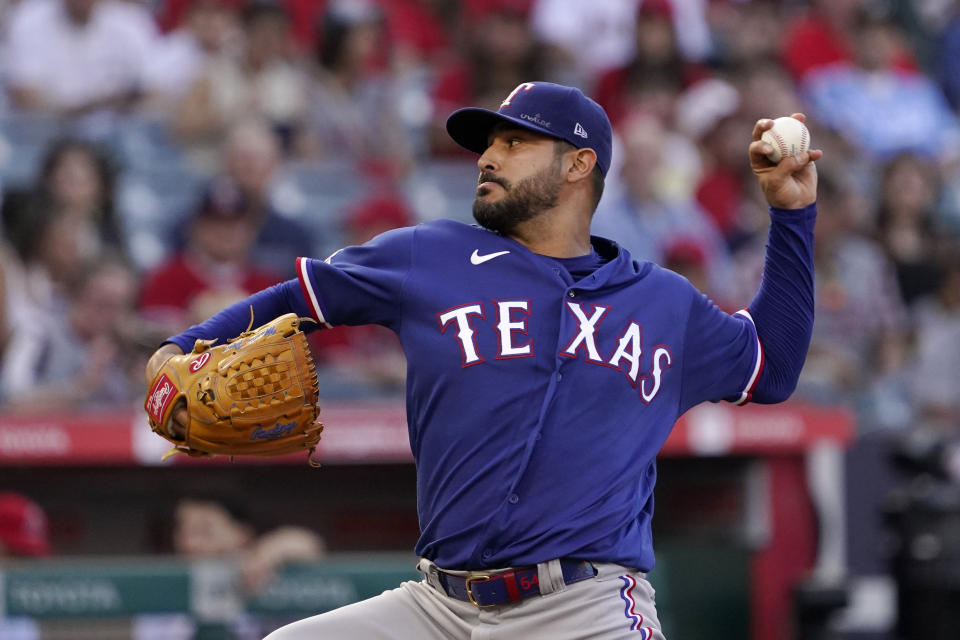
509 586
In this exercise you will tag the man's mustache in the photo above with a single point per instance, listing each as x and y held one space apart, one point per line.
489 177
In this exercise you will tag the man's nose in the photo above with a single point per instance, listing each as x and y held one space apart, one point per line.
489 160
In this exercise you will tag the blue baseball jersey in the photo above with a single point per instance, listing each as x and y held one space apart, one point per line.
536 403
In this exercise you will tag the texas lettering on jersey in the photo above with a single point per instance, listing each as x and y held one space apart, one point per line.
503 347
510 317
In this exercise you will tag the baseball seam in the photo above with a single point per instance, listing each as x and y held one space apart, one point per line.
780 143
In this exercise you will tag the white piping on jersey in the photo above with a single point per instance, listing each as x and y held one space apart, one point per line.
747 393
308 286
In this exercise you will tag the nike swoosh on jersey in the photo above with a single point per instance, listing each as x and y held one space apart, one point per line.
476 258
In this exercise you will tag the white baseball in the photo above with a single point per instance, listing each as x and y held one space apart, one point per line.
788 137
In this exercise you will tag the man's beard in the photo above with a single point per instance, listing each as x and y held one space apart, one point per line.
524 201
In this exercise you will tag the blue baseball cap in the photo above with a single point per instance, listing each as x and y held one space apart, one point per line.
547 108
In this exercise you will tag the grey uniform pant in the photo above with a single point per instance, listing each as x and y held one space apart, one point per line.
617 604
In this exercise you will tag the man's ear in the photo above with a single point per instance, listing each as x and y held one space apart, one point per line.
584 160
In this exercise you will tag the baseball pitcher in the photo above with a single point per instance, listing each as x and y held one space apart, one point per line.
546 368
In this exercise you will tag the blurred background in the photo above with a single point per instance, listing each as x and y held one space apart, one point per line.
160 159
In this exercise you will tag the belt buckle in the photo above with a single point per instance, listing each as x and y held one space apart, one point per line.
469 581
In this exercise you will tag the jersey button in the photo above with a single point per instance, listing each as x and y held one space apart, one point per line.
487 554
513 499
559 376
572 294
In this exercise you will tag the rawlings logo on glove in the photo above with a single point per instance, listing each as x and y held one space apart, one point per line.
160 398
256 395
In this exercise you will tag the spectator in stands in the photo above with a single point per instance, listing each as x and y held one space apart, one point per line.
209 28
496 51
354 101
657 55
23 527
656 205
712 112
766 89
260 80
748 33
878 104
934 374
420 31
48 250
500 51
73 58
709 113
859 335
365 361
213 527
252 159
67 219
214 267
78 358
77 178
23 535
583 39
205 526
820 37
907 223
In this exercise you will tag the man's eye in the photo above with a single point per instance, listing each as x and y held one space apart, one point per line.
515 141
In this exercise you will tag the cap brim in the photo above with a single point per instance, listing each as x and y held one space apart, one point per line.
470 127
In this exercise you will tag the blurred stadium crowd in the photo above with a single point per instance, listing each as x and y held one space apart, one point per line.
160 159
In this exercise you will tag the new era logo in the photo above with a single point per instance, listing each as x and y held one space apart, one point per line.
580 131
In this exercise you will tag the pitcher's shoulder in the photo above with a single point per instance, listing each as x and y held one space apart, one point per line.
445 230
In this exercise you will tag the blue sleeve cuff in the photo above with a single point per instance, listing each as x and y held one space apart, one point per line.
786 215
230 322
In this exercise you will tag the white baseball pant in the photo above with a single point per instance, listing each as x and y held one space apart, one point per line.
618 604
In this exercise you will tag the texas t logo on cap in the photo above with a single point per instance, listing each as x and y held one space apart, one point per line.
523 86
547 108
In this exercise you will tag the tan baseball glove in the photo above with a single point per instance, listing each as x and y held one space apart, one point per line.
254 396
